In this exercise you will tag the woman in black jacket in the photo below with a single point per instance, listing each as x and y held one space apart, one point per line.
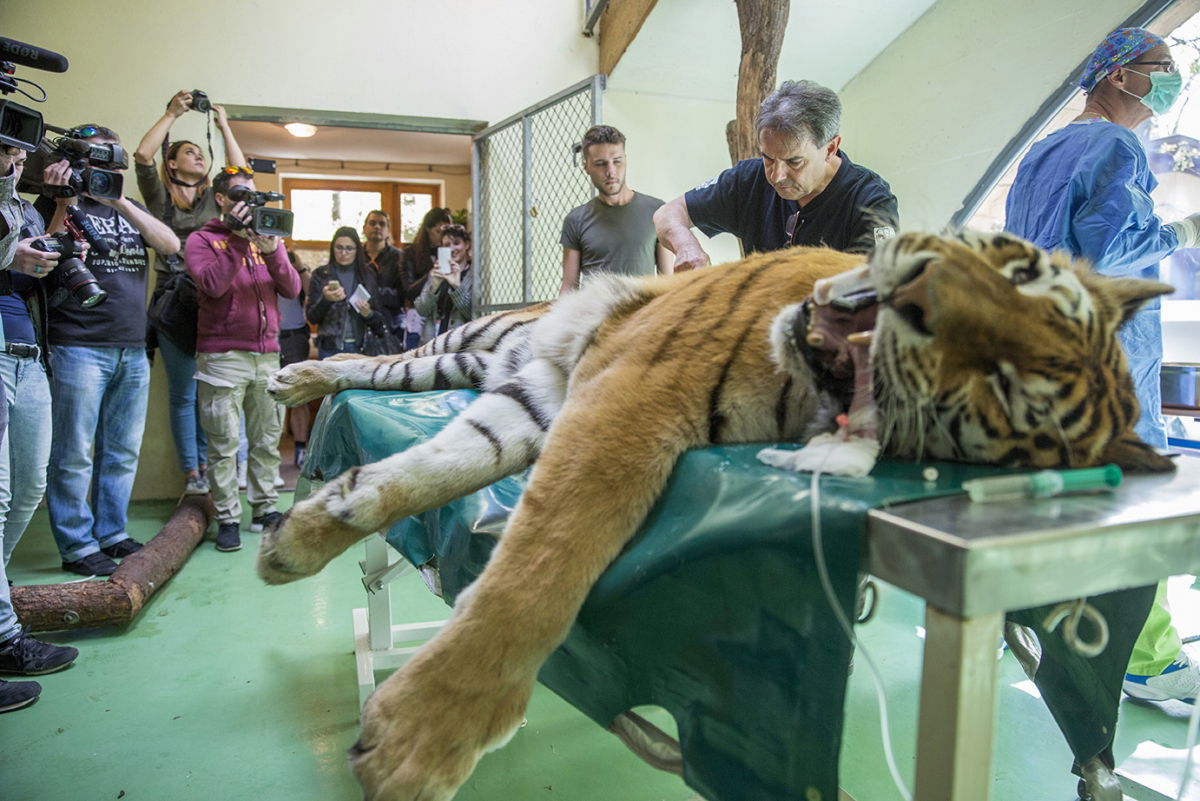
342 317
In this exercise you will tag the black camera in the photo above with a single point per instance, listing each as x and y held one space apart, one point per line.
263 221
21 126
71 275
92 168
200 102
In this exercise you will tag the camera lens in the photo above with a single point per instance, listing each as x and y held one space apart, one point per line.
100 184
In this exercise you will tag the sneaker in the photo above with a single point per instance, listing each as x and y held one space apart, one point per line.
122 549
229 537
241 471
196 485
18 694
1180 681
269 520
94 564
26 656
300 453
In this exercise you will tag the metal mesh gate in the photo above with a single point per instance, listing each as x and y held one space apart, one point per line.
525 179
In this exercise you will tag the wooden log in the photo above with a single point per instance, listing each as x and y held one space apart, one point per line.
117 601
762 24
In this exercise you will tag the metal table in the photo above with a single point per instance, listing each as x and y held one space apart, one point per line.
973 562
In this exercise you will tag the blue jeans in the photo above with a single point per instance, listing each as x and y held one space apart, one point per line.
190 443
100 399
24 453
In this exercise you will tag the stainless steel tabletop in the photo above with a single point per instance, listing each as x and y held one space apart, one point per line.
970 558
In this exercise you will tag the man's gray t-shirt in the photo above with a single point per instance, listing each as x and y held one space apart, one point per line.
613 239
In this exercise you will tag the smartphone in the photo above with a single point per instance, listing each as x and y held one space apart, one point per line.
333 283
443 261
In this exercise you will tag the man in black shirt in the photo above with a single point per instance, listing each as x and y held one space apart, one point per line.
100 377
803 191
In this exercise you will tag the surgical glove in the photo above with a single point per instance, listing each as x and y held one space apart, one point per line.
1188 230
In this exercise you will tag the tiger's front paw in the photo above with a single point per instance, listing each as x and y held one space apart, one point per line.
301 382
426 727
316 530
835 454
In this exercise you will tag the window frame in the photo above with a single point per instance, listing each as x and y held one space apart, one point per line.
390 192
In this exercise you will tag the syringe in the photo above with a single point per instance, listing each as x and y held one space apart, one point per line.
1042 484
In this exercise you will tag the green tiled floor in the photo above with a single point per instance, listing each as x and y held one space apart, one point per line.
224 688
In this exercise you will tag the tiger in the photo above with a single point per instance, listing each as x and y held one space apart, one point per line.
984 348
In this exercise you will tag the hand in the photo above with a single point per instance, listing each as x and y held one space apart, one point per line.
690 257
57 174
266 244
241 212
363 307
454 277
180 104
1188 230
32 261
219 113
334 293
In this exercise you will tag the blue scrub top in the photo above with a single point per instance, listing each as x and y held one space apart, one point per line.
1086 189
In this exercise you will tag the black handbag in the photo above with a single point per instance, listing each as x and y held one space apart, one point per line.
173 309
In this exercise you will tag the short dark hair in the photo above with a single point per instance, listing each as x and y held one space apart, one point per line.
601 135
220 182
381 213
803 110
457 231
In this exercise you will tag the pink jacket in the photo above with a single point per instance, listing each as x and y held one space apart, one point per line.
237 285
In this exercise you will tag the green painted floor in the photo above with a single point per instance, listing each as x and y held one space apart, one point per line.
224 688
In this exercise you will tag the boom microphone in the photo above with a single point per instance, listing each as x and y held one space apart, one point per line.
29 56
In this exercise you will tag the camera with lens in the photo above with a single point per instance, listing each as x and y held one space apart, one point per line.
263 221
71 276
21 126
92 167
200 102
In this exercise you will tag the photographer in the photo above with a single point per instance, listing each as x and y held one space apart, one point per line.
238 274
25 451
180 194
100 376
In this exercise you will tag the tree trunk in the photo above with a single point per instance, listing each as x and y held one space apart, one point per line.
50 607
763 23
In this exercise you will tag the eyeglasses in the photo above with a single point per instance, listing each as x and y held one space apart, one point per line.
237 171
1168 66
345 248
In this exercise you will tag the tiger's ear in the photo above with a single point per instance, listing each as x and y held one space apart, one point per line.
1131 454
1130 294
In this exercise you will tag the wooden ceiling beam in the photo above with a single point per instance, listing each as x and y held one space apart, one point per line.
619 26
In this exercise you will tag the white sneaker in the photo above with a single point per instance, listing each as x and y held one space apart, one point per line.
1180 681
196 485
279 482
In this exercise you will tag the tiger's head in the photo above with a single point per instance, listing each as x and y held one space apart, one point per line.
988 349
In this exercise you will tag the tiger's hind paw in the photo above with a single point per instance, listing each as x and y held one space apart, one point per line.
826 453
301 382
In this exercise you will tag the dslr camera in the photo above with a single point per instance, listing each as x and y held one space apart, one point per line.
263 221
200 102
92 167
71 277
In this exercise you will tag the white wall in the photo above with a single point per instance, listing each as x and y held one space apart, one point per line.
673 144
456 59
933 110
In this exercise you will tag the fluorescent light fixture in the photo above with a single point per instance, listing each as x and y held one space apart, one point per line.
301 129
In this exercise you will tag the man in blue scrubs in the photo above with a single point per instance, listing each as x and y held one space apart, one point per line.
1086 189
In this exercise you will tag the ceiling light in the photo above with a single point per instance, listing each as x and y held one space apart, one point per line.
301 129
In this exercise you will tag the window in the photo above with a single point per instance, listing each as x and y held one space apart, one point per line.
322 206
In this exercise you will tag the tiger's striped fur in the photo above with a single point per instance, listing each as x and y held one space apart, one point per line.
985 349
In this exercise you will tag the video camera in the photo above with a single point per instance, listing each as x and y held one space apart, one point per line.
71 276
21 126
92 167
263 221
